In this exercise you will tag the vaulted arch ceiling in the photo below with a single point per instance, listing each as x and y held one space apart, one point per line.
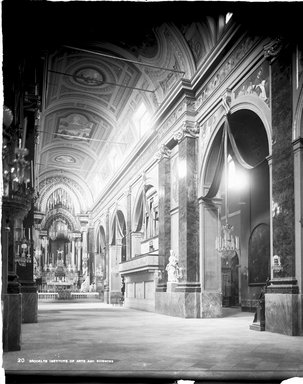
93 89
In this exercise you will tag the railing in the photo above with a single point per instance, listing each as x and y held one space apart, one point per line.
48 295
69 296
85 295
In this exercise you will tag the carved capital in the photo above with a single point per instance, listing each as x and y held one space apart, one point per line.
273 48
163 153
226 100
187 130
128 191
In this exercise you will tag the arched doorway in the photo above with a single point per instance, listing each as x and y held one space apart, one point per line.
237 195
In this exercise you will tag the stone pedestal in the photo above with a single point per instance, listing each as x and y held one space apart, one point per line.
29 306
180 304
12 309
281 307
211 304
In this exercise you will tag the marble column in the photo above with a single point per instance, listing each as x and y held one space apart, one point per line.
73 261
13 213
281 299
128 224
91 254
298 170
211 284
188 211
107 267
114 277
188 285
163 157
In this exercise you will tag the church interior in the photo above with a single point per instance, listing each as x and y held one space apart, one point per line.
152 162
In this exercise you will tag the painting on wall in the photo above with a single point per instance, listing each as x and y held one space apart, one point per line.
259 255
74 126
89 77
65 159
256 84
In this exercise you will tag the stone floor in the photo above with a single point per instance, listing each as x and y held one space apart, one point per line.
96 342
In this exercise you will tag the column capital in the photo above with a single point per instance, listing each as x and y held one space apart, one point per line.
273 48
298 144
188 129
226 100
163 152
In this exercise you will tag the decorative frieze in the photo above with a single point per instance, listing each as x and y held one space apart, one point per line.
257 84
226 68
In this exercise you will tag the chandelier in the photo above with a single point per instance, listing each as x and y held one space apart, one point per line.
227 243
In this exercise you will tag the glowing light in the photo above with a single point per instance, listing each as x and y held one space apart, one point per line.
237 178
182 169
228 17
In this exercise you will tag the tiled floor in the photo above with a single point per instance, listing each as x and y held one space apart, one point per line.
99 340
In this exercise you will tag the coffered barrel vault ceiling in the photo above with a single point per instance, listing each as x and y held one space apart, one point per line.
107 70
93 93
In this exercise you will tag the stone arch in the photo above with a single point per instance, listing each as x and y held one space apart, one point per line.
53 215
245 103
50 184
246 209
138 204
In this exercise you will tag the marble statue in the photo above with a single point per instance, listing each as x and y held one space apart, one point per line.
85 285
172 268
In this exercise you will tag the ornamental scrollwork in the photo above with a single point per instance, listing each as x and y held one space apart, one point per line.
163 153
273 48
187 130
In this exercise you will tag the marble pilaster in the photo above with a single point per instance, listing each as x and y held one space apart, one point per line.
164 213
106 261
298 180
188 214
91 254
283 163
211 284
128 224
114 277
281 303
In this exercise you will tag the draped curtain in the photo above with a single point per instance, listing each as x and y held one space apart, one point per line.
215 184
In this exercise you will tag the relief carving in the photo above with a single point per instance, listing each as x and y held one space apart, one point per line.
273 48
163 153
225 70
226 100
187 131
